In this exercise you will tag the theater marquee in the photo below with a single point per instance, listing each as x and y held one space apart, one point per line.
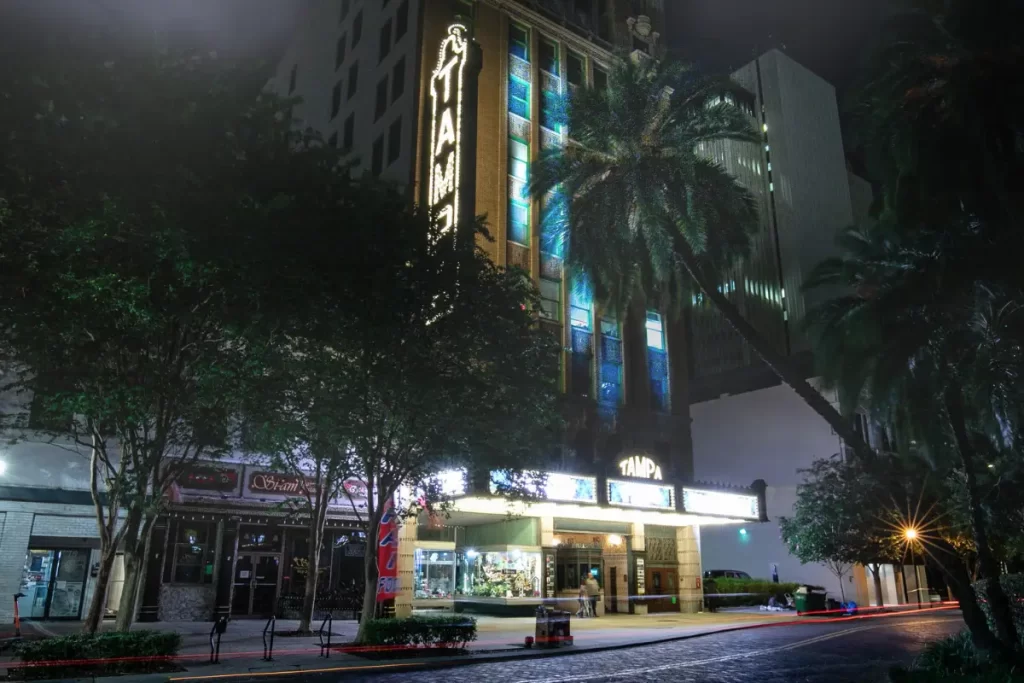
451 167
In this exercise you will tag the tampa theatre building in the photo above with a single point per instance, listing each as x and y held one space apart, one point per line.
453 99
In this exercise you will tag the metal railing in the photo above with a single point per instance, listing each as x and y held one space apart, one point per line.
219 627
325 648
268 648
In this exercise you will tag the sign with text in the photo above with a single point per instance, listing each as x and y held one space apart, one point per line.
641 467
560 487
278 484
387 554
722 503
201 477
452 127
637 495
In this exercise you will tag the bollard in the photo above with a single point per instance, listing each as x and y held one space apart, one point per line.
325 648
219 627
268 650
17 619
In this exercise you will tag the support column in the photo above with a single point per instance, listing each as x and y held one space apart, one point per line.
638 572
17 530
547 532
691 595
406 560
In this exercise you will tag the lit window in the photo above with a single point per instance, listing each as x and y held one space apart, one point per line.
655 332
771 187
764 127
580 317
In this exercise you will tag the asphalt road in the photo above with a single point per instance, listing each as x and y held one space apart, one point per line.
860 650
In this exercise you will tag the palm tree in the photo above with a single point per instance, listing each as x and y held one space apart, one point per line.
642 215
946 87
928 338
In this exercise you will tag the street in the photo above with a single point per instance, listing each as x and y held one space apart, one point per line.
856 650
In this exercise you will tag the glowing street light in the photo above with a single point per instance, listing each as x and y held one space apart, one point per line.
910 534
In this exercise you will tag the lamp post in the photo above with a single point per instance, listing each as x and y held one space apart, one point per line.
911 535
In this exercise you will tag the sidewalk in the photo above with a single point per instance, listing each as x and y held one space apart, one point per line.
242 646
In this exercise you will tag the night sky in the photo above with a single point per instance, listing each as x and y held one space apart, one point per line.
830 37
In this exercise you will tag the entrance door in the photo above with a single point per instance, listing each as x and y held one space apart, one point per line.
663 589
255 587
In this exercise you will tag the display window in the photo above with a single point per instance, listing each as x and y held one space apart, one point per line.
500 574
434 574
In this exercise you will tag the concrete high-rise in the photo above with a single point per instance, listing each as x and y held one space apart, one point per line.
798 175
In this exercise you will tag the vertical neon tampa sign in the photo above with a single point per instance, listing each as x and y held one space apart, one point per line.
447 123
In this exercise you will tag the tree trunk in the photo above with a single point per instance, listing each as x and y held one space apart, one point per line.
876 575
97 606
961 584
370 575
999 605
778 363
133 557
313 572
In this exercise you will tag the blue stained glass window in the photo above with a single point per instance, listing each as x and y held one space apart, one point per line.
518 222
519 108
657 362
518 42
518 90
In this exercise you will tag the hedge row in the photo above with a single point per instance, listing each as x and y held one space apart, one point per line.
760 590
100 654
448 631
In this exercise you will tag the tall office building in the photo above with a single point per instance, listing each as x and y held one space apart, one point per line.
454 99
798 175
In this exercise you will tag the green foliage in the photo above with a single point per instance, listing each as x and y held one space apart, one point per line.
1013 586
761 590
637 203
447 632
844 515
955 659
133 648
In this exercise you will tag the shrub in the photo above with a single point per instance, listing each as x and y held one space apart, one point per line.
100 654
760 589
954 660
449 632
1013 586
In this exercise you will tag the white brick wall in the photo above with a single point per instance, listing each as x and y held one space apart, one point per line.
13 547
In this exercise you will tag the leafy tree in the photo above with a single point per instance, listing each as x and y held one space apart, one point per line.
843 516
926 335
635 205
404 354
119 174
935 110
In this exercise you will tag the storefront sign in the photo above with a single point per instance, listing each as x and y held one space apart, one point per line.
635 494
641 467
447 121
387 554
280 484
743 506
355 488
570 488
207 478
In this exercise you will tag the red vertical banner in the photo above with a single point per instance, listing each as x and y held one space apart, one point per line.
387 554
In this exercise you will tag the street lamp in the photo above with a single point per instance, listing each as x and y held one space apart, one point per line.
910 533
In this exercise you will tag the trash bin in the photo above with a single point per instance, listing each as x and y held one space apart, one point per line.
552 628
809 599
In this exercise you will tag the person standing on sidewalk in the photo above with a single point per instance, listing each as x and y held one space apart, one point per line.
592 590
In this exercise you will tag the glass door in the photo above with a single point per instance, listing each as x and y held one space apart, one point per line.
255 589
35 584
69 584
